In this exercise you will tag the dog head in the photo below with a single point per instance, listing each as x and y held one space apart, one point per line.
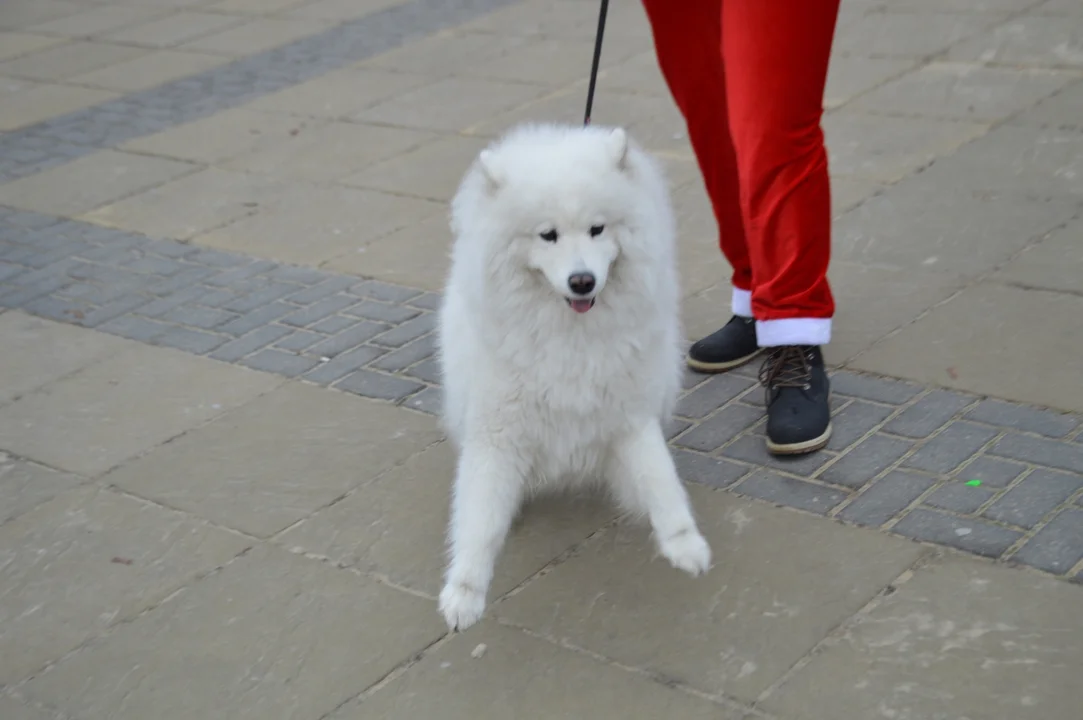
557 203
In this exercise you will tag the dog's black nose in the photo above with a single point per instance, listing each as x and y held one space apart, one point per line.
581 283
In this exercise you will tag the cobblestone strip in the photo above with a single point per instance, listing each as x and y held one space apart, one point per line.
30 150
985 476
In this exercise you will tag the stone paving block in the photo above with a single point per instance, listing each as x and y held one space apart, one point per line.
317 311
258 298
348 339
346 442
959 498
720 428
382 312
196 342
876 389
135 327
928 414
112 411
37 352
334 324
993 472
956 443
790 492
173 30
407 355
43 101
962 638
1058 546
90 182
339 94
385 291
430 400
706 637
58 63
344 364
1034 497
299 340
866 460
428 371
432 170
340 10
549 681
24 485
715 392
969 534
321 290
234 350
285 632
886 498
855 421
381 526
705 470
198 316
463 102
258 318
368 383
1043 422
283 363
148 71
752 449
121 554
407 331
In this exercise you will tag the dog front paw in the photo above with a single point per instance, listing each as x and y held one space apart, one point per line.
461 605
687 551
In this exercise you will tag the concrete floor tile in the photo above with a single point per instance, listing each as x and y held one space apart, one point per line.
561 18
961 638
44 101
253 7
1065 109
848 192
21 14
23 485
416 255
220 137
443 54
637 74
775 589
339 94
546 61
340 10
848 76
39 351
270 635
328 151
15 44
1027 41
104 414
462 102
64 61
95 21
526 678
984 340
911 35
1052 264
90 182
251 471
432 170
12 709
311 225
192 205
173 30
253 37
148 71
397 527
91 558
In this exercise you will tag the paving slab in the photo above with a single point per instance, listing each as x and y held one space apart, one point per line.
173 30
250 471
432 170
24 485
963 346
63 61
340 94
1051 263
44 101
148 71
89 559
270 634
96 21
417 255
961 638
909 35
13 709
13 44
110 412
848 77
258 35
763 605
1027 41
516 675
396 527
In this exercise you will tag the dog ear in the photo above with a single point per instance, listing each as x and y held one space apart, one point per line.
493 177
618 145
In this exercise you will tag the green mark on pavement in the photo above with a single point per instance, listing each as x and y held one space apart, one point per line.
973 483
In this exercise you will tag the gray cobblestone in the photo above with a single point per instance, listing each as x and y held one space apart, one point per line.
674 427
112 309
183 279
189 340
969 534
886 498
134 327
348 339
854 421
788 491
928 414
428 301
720 428
334 324
945 452
322 290
429 400
1058 546
198 316
959 498
428 371
1066 456
716 391
1034 497
1019 417
882 390
752 449
257 318
317 311
408 331
277 361
377 385
344 364
384 291
260 338
867 459
705 470
407 355
383 312
57 308
993 472
258 298
299 340
297 275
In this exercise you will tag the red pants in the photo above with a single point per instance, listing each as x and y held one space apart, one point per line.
748 76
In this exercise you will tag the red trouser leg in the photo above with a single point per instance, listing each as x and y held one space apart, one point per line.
776 56
688 39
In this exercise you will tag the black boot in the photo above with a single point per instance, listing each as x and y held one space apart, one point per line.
733 345
798 414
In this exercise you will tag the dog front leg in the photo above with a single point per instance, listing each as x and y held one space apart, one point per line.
487 495
644 478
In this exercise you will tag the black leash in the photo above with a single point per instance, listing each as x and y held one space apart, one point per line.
597 59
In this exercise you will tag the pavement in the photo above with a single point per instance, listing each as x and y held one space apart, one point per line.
223 489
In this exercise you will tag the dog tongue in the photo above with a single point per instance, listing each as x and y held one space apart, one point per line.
581 306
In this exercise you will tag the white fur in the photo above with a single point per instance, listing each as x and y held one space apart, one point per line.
538 396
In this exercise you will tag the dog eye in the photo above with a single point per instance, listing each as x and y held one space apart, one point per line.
549 236
596 230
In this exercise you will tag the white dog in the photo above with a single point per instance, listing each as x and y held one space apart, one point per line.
560 343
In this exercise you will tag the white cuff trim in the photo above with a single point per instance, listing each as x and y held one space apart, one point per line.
793 331
742 302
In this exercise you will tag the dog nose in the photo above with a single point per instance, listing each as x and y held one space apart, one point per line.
581 283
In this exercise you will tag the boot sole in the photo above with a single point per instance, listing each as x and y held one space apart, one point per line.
800 448
718 367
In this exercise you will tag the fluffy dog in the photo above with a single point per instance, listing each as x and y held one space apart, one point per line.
560 343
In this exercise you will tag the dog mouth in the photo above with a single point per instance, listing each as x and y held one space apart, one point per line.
580 305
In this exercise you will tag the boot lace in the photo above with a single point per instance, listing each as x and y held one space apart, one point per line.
786 366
